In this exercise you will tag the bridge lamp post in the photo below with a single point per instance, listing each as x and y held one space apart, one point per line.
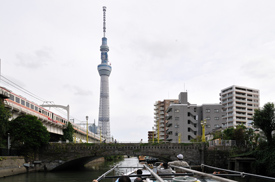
94 129
158 130
100 135
153 134
9 144
87 129
203 123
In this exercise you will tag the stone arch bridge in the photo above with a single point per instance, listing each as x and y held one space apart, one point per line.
60 156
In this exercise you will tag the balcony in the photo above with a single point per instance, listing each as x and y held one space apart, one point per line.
230 124
229 119
168 117
238 119
169 124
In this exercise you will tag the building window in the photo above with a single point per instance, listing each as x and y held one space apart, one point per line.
27 104
217 118
216 110
22 102
207 118
177 118
177 110
176 126
207 110
176 134
17 100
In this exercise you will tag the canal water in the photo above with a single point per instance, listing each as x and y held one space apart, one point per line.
86 174
90 172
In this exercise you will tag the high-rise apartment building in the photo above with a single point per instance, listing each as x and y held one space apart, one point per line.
160 119
184 119
239 104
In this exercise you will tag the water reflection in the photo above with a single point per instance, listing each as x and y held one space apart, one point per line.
92 171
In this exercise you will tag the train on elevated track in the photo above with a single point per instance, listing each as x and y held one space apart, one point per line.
54 123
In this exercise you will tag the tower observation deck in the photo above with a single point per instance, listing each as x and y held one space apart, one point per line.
104 70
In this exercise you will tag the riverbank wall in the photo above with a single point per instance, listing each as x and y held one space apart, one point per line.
11 165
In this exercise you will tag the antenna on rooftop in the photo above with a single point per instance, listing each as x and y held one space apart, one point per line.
104 20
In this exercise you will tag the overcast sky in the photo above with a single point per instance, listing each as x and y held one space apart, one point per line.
157 50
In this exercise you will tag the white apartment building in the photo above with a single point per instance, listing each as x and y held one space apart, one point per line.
239 104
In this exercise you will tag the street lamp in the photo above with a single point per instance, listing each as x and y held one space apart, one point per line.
158 130
100 134
87 128
9 144
203 123
153 134
179 137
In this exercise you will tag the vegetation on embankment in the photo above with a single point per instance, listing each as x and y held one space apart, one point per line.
113 158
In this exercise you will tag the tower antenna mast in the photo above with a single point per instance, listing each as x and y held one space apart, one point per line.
104 20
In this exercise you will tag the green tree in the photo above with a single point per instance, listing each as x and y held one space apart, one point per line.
239 134
228 134
264 119
28 132
4 121
68 133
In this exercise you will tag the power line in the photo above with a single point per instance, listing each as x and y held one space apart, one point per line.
18 87
11 83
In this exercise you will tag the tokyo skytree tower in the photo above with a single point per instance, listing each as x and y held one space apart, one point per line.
104 70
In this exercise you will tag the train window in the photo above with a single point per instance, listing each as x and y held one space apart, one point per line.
12 97
27 104
17 100
32 106
22 102
36 108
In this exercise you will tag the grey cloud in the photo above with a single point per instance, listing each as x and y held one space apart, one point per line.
78 91
37 59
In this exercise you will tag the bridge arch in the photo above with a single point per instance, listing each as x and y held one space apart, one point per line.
54 156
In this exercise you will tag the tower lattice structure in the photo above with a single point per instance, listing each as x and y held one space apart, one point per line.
104 70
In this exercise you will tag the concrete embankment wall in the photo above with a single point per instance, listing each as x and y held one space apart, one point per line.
11 165
217 158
